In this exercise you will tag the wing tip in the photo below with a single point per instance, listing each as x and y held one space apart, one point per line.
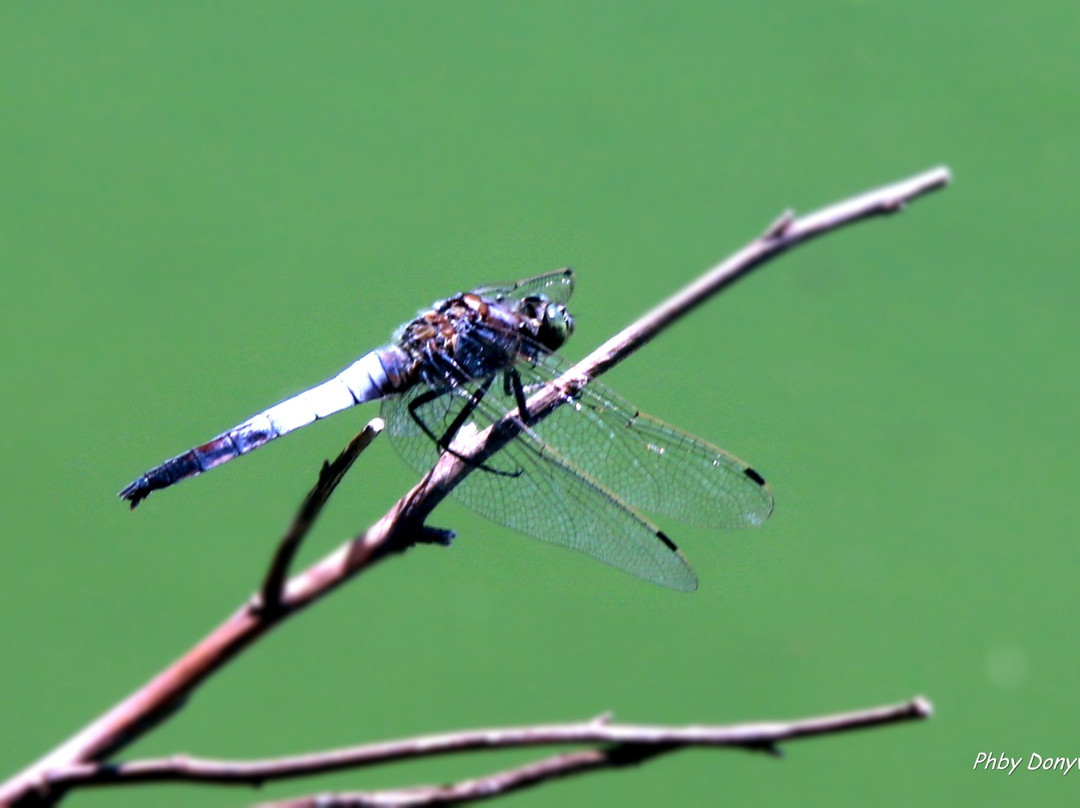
758 516
685 582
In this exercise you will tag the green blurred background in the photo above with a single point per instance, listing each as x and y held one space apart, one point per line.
207 207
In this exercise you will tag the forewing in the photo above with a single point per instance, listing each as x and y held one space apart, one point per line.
651 465
557 286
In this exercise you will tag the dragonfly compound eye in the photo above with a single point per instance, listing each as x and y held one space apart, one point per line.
556 326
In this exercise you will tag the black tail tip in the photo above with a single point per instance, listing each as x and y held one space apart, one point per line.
136 492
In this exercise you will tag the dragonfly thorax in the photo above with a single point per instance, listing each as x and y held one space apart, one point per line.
470 336
438 331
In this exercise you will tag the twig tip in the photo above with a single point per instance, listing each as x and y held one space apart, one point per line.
780 226
922 707
936 177
436 535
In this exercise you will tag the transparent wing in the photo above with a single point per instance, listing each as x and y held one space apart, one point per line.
651 465
531 488
557 286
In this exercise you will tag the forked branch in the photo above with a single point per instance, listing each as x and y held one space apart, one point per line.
403 524
329 476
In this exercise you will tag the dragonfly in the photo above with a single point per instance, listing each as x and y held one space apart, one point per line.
582 478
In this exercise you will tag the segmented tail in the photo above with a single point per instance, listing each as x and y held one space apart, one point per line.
374 375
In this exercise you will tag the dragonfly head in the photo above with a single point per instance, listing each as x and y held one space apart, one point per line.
550 323
555 326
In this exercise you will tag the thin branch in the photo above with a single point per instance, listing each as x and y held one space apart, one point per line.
756 735
402 524
482 788
329 476
633 747
782 235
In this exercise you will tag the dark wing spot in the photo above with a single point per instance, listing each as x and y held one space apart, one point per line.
670 544
753 475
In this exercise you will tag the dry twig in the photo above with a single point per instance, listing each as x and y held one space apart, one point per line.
329 476
625 743
403 524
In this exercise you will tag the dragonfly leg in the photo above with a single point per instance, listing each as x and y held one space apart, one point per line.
447 438
512 380
465 414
